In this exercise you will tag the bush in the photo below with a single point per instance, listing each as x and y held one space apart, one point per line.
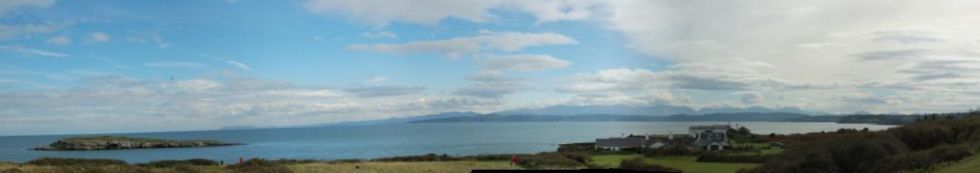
733 158
639 165
346 161
924 135
549 160
921 159
101 169
488 157
48 161
295 161
259 166
419 158
842 152
174 163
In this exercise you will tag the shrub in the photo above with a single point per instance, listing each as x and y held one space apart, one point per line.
48 161
548 160
259 166
295 161
346 161
101 169
841 152
733 158
419 158
174 163
921 159
924 135
488 157
639 165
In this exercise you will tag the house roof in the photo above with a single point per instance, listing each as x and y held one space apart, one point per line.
619 142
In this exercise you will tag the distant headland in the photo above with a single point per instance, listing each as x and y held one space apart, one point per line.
120 142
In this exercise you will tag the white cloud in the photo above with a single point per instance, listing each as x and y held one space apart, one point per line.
376 79
238 64
492 84
28 30
381 13
98 37
528 62
460 46
148 37
196 84
59 40
752 97
774 32
174 64
30 51
383 91
490 90
121 104
10 5
825 46
379 35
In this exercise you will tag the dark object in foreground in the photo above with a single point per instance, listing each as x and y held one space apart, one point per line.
118 142
575 171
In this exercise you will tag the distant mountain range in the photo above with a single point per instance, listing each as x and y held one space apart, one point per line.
653 110
571 113
743 116
407 119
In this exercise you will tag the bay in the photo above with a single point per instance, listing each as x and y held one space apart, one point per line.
386 140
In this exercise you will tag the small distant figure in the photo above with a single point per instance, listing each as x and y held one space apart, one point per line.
241 160
514 159
221 162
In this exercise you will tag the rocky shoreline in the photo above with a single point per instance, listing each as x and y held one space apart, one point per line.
117 143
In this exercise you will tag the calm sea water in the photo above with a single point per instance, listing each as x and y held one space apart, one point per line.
362 142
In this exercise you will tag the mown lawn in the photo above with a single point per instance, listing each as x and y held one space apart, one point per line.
968 165
764 149
687 164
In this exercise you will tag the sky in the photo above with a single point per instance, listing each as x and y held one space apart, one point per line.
132 66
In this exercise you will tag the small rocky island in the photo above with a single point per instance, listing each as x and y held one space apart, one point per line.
119 142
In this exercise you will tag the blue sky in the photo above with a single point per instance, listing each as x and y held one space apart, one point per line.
188 65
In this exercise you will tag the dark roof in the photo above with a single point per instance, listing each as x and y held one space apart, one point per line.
619 142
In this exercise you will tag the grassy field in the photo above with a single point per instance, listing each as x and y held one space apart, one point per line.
687 164
763 149
364 167
406 167
967 165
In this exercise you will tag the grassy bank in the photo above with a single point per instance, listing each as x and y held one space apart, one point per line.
687 164
406 167
363 167
970 164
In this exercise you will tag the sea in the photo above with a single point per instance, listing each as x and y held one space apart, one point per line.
387 140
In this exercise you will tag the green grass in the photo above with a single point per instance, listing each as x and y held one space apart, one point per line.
398 167
967 165
364 167
764 149
687 164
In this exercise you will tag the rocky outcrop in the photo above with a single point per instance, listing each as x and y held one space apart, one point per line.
114 143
